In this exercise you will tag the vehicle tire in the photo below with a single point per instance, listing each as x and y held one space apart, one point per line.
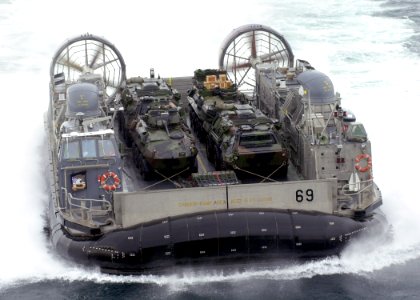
209 151
127 138
193 166
192 124
120 121
136 157
145 169
219 164
198 132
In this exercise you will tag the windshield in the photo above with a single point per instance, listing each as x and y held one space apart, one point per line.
106 148
71 150
356 132
89 148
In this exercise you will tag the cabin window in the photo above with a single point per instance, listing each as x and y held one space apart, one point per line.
106 148
356 132
71 150
89 148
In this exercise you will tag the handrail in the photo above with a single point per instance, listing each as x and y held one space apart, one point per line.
368 183
84 211
107 203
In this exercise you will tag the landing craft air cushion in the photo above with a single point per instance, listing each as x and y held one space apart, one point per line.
101 213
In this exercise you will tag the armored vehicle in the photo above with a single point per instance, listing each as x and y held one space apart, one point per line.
237 135
102 214
211 94
152 125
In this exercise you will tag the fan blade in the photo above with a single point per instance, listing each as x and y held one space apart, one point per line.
253 46
103 64
71 64
268 56
96 56
239 66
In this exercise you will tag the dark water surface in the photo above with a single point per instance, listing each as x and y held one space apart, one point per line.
394 282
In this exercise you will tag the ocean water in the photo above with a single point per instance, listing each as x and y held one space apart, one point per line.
371 51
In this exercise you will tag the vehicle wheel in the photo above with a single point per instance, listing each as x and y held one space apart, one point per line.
136 157
219 164
120 121
209 151
193 166
199 131
145 169
203 134
192 125
128 140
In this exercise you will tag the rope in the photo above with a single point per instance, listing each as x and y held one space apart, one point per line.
282 165
261 176
166 179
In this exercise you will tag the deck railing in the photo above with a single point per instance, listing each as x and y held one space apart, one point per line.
86 210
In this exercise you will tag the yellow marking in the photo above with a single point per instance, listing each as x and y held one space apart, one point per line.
204 203
251 200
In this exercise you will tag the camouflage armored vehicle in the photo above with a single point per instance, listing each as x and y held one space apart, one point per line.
244 139
211 94
237 135
152 125
138 95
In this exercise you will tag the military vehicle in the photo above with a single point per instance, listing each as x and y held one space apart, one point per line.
237 135
102 214
211 93
152 125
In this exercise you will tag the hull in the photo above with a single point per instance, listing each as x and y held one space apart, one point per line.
219 238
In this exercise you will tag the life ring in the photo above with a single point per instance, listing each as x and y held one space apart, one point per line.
104 178
359 158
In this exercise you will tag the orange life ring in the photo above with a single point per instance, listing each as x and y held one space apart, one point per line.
104 178
359 158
